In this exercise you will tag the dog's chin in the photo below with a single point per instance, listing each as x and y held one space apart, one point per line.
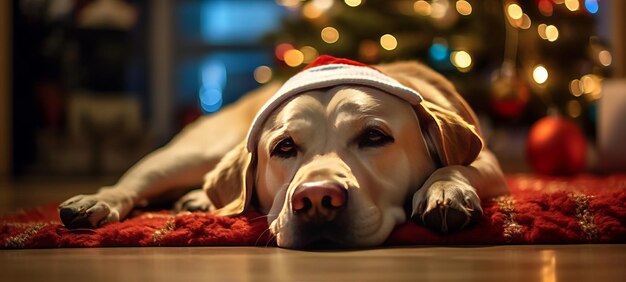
366 229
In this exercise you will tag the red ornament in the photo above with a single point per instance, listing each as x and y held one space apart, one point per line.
509 96
556 146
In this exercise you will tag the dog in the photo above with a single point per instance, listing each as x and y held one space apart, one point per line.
341 153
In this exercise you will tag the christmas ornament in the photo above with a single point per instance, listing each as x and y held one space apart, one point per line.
509 94
556 146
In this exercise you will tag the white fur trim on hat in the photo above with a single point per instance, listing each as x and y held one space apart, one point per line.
324 76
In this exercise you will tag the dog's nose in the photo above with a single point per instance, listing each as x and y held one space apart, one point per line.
318 200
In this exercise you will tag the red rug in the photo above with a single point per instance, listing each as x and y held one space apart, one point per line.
584 209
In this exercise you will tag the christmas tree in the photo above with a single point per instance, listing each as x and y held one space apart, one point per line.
514 61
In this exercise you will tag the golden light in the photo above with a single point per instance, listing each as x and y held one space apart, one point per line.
330 34
540 74
576 87
572 5
294 58
552 33
545 8
461 59
558 1
514 11
368 50
591 83
353 3
541 29
463 7
388 42
311 11
573 108
262 74
525 22
309 53
605 58
422 8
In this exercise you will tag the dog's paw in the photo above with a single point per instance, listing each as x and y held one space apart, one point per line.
446 206
87 211
196 200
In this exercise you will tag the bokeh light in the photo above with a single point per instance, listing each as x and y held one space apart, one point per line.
514 11
552 33
262 74
462 60
353 3
422 8
388 42
463 7
330 34
368 50
576 87
540 74
572 5
525 22
311 11
309 53
439 50
605 58
294 58
591 6
541 30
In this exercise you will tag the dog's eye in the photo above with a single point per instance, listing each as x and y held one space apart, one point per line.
285 149
373 137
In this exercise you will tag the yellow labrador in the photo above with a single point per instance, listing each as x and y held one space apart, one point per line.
344 163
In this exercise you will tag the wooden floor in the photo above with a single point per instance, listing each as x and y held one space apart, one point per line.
498 263
504 263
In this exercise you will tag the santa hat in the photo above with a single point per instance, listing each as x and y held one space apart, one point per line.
324 72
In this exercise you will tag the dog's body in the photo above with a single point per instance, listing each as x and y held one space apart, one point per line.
339 164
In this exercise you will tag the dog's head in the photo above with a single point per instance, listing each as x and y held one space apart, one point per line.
338 162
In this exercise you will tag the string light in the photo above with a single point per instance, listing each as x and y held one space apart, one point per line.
514 11
330 34
262 74
353 3
462 60
311 11
541 29
388 42
576 87
422 8
309 53
540 74
294 58
463 7
572 5
552 33
591 6
525 22
605 58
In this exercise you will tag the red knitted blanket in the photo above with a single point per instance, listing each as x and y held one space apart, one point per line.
539 210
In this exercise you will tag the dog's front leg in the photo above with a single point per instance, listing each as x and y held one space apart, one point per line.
158 173
450 199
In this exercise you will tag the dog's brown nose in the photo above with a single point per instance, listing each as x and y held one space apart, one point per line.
319 200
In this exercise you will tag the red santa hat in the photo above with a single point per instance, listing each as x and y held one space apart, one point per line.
327 71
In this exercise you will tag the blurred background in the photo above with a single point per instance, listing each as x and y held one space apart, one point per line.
88 87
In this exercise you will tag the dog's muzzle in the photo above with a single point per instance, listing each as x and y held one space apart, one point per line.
319 202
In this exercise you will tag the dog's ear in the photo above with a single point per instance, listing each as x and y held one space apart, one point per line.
451 139
229 184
